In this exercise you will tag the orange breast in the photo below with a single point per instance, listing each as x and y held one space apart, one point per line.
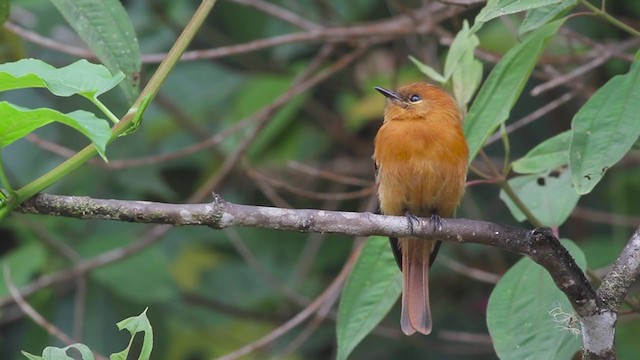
421 167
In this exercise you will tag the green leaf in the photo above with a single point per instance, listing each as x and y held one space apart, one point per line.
550 154
549 196
503 87
529 317
5 10
105 26
31 356
605 128
431 73
135 325
460 65
540 16
18 122
463 43
601 250
81 77
371 290
56 353
255 95
466 77
496 8
143 278
53 353
627 344
24 262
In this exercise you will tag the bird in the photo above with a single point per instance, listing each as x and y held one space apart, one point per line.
421 158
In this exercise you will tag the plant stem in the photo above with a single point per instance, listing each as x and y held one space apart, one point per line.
4 179
105 110
504 184
602 13
506 167
483 175
149 92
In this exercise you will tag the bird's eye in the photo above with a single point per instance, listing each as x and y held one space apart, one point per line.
415 98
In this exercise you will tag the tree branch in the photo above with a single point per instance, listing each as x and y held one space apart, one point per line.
617 282
597 310
599 329
539 244
420 22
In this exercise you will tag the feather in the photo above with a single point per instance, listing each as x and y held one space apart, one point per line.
421 164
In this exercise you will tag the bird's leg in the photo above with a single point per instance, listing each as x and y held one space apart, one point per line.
436 221
410 219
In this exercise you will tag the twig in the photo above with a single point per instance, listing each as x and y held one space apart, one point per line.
601 12
31 312
229 310
85 266
357 194
149 238
79 307
34 315
506 187
379 31
565 78
465 337
598 330
616 283
270 193
471 272
594 310
301 316
479 181
313 325
603 217
146 95
312 246
462 2
263 116
47 42
538 244
279 13
307 256
207 143
329 175
532 116
252 261
50 240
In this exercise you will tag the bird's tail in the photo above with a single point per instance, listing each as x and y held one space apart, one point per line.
416 314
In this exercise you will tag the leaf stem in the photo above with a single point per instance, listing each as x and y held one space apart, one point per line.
4 179
506 167
603 13
477 171
105 110
148 93
504 184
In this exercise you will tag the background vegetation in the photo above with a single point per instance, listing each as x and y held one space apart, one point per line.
286 120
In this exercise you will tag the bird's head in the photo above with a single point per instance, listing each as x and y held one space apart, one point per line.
420 101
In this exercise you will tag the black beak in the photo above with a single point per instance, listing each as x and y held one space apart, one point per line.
391 95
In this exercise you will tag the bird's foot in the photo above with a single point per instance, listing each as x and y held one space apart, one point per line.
410 219
436 221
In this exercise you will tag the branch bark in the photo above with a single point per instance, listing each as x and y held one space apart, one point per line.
597 310
539 244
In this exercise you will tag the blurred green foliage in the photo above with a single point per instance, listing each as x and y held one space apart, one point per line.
205 299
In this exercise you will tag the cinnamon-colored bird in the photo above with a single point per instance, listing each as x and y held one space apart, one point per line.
421 161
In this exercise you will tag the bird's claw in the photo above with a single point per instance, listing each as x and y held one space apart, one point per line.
410 219
436 221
